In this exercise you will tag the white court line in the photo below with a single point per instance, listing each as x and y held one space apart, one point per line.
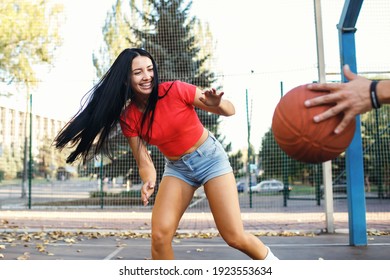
325 245
279 245
200 244
196 202
113 254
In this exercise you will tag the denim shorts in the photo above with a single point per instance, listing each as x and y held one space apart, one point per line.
208 161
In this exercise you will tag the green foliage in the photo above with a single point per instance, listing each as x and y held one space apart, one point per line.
48 159
28 36
117 36
10 162
277 165
270 156
170 37
376 142
237 163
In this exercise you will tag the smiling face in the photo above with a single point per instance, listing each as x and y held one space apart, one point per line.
142 76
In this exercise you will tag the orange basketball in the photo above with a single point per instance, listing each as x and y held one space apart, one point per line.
300 137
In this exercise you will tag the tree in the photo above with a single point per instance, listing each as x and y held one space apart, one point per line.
28 37
237 164
169 34
376 140
276 164
117 35
9 163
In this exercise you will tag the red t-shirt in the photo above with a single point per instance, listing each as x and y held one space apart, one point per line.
176 126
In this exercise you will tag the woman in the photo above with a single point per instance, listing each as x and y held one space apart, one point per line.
358 96
163 115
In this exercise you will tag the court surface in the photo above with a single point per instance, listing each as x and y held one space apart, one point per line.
92 246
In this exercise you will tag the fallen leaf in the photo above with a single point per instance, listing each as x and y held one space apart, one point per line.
69 240
25 256
41 248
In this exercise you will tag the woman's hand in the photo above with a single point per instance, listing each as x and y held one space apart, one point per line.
146 192
210 97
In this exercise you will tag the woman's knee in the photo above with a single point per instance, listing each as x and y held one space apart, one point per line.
162 235
236 240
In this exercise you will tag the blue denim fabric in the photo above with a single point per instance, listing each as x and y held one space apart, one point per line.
208 161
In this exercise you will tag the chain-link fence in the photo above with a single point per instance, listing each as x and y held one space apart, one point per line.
34 176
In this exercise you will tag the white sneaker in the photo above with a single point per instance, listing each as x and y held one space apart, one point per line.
270 256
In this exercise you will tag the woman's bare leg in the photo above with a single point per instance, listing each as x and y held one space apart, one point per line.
172 200
223 199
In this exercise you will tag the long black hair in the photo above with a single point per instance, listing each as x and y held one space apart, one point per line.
89 130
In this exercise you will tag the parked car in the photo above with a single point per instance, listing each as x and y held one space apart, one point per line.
337 188
240 187
269 186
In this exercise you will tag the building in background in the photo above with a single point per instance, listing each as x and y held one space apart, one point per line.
14 140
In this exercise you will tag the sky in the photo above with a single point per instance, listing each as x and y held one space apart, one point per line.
263 49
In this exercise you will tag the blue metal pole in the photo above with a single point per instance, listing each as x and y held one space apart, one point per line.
354 155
